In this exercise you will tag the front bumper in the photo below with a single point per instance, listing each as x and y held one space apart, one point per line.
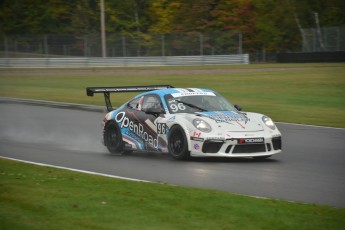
234 148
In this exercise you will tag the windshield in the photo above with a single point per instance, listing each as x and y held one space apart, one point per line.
197 102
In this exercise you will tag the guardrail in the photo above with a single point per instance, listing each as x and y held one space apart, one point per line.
125 61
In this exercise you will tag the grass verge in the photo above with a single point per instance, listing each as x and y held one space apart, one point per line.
36 197
297 93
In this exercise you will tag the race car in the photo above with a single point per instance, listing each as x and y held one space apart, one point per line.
185 122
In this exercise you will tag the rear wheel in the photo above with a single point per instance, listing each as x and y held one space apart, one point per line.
113 138
178 144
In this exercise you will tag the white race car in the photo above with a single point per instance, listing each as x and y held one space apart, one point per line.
185 122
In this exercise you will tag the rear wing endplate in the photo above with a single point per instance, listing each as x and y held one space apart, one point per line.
90 91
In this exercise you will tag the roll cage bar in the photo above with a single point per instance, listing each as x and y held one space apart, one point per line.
90 91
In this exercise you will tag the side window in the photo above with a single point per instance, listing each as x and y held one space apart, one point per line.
151 101
135 103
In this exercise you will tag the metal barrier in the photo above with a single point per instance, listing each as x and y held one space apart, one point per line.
125 61
133 44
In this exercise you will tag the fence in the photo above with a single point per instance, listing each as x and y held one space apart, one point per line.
123 62
326 39
154 45
121 45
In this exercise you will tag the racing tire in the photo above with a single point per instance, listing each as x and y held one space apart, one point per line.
178 144
113 138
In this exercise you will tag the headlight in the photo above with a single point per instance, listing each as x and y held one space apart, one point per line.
202 125
268 122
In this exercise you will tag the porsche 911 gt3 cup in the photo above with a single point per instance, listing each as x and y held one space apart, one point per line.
185 122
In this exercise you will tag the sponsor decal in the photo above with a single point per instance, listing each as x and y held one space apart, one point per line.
171 119
227 117
250 140
134 137
241 141
196 147
185 94
136 128
197 139
196 134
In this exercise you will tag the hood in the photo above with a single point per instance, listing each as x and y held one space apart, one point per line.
233 121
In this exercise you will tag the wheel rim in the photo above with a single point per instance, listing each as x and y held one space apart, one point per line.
176 142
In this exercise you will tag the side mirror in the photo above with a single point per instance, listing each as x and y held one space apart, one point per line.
238 107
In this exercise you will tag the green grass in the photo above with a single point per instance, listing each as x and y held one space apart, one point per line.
36 197
33 197
298 93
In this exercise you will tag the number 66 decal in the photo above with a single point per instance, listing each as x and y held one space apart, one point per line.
161 128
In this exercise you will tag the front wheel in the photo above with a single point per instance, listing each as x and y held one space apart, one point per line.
113 138
178 144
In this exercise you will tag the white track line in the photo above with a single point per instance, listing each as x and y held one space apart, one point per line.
315 126
75 170
127 178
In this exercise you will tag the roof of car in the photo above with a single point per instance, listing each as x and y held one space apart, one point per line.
162 92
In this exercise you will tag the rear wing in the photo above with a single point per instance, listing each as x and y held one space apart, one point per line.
90 91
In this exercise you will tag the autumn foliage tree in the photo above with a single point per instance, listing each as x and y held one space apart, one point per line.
270 24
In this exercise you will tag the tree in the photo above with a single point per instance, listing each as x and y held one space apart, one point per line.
161 13
45 17
127 16
193 15
268 24
276 26
237 16
331 12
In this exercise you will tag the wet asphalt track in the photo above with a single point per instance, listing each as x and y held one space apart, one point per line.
311 168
